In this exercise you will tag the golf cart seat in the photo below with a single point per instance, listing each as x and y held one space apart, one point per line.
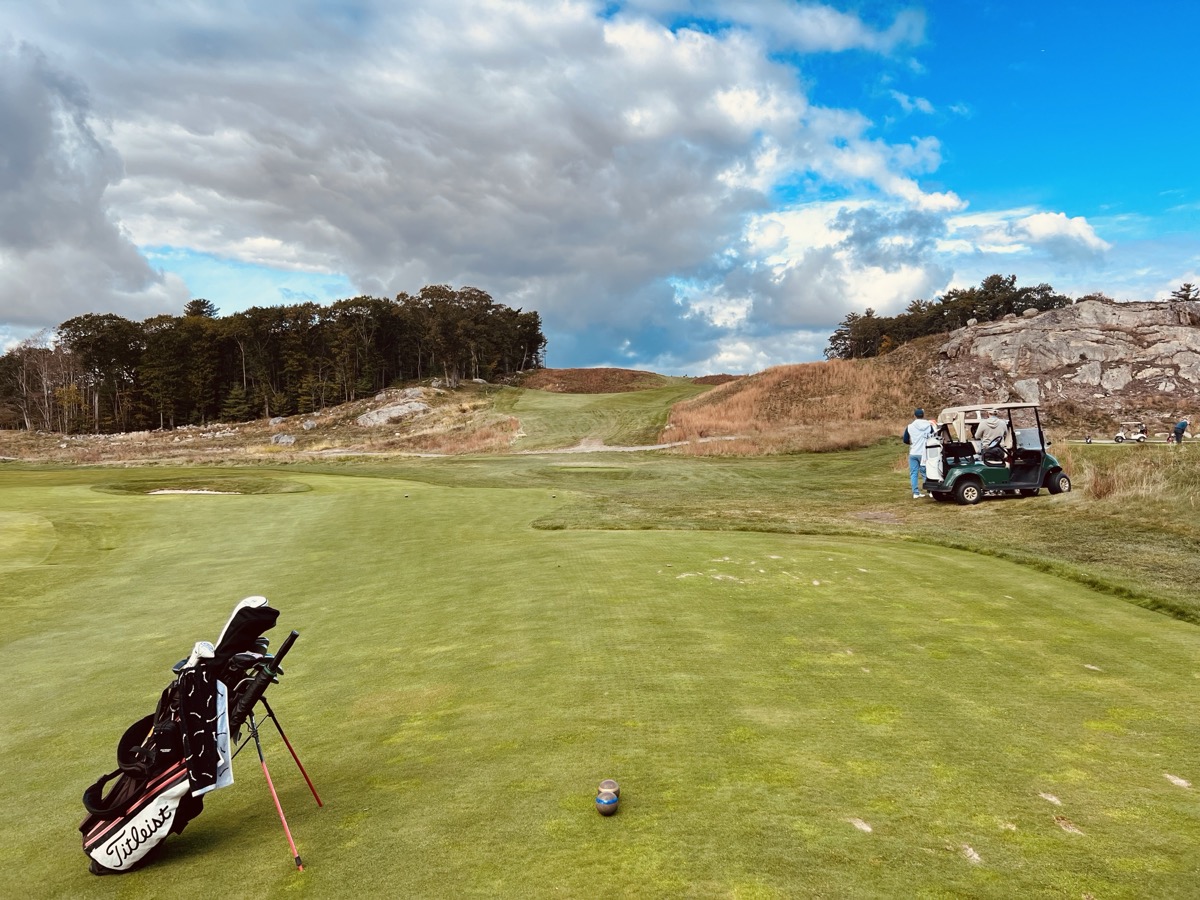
958 452
994 456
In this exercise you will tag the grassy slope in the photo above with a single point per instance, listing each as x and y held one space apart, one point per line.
553 420
464 679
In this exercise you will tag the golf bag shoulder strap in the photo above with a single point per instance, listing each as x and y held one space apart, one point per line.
94 800
134 757
149 745
144 811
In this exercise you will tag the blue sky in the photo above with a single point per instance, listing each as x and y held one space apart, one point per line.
688 186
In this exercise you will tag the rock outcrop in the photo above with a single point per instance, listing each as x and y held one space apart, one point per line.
1135 359
411 404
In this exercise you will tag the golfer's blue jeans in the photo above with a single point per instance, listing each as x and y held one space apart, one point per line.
916 472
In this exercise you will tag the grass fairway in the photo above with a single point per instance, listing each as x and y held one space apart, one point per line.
464 679
560 420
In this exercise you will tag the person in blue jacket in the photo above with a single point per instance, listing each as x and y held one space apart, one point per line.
916 435
1181 429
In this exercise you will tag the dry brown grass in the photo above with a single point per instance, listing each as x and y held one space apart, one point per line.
592 381
479 435
835 405
716 379
1111 477
1133 475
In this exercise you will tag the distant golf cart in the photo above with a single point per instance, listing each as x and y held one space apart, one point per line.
959 467
1131 431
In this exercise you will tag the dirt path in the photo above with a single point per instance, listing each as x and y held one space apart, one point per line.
591 445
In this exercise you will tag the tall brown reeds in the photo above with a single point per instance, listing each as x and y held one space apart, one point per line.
834 405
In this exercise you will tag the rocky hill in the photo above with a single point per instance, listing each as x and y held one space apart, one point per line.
1100 359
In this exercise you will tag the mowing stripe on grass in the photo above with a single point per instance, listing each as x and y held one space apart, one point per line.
464 680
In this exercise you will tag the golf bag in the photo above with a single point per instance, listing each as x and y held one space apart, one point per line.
169 759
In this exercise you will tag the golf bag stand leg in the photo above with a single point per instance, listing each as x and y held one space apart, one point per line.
271 715
278 808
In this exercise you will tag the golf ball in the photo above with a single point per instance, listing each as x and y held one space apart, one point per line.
606 803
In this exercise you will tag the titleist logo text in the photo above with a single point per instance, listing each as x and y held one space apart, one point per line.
133 836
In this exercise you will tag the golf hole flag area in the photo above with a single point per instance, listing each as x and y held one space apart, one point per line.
786 715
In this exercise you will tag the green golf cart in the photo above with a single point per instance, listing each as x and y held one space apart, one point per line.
973 455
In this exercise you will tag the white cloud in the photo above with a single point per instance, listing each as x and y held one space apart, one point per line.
574 162
61 252
803 27
1024 230
1057 229
911 104
620 175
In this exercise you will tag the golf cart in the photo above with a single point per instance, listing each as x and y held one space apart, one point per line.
1131 431
1011 458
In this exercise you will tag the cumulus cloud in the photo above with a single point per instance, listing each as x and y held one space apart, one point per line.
1062 235
60 251
1024 231
616 166
805 27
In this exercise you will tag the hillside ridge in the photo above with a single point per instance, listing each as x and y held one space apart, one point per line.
1090 365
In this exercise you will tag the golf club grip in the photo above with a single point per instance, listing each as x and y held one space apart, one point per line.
287 645
252 694
263 680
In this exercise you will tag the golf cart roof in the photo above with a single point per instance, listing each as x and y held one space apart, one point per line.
952 413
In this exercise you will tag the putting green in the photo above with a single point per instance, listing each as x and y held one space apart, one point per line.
787 715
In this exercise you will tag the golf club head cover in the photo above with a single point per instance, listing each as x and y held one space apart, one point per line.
202 650
249 620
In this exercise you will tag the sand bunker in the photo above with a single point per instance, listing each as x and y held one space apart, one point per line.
190 491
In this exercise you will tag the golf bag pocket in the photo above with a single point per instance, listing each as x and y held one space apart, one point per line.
137 815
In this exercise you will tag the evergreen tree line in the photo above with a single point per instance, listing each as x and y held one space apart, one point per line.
104 373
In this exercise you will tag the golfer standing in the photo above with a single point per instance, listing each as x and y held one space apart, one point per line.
1180 429
916 435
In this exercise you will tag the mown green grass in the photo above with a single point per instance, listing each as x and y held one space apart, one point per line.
1144 549
552 420
483 640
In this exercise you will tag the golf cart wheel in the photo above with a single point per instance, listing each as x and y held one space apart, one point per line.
1028 492
1141 439
1118 439
940 496
968 493
1059 483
